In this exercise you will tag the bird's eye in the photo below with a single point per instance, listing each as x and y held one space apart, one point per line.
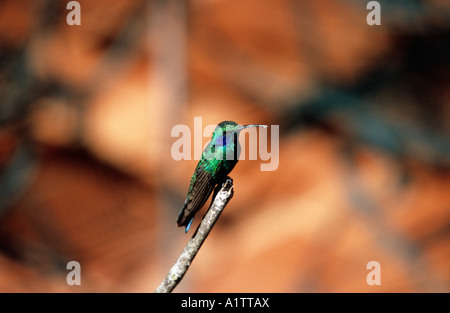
221 141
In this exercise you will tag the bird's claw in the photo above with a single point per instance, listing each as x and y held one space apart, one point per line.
227 185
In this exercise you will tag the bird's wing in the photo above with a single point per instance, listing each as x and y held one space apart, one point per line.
200 189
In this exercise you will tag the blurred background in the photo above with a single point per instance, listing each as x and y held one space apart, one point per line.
86 172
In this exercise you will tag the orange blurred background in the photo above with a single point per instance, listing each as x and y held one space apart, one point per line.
86 171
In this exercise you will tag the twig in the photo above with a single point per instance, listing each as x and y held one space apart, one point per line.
185 259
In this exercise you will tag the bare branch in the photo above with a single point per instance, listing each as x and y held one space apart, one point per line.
185 259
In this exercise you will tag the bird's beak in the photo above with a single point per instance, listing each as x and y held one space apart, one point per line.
253 125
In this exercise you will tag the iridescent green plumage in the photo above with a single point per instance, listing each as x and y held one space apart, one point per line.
217 161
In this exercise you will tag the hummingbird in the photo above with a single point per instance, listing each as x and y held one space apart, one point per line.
218 159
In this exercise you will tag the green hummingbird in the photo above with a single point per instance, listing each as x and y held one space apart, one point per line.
217 161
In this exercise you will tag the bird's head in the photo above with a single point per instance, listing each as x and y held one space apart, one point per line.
226 131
